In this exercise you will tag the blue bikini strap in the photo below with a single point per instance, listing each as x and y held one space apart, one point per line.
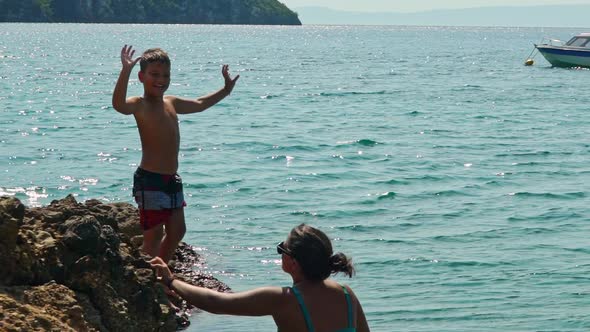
349 305
303 309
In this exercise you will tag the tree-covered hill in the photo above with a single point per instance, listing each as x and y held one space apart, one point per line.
149 11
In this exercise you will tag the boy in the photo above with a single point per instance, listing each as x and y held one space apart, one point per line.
156 186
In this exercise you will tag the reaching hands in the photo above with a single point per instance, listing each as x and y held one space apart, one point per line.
127 57
162 270
229 82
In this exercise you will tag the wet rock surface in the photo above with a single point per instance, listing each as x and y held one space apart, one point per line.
74 266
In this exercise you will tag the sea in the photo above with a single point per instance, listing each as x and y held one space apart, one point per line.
457 178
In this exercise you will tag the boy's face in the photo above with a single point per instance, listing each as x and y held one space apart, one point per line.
155 78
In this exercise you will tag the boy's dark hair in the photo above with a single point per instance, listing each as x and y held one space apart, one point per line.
153 55
313 250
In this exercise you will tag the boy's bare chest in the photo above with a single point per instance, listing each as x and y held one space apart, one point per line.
164 119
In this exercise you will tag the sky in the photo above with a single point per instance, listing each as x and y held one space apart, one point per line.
403 6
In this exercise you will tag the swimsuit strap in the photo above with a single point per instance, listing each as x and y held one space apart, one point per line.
303 309
349 305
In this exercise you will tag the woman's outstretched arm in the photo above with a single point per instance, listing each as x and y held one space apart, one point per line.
257 302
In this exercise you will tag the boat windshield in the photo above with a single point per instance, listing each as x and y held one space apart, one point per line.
579 42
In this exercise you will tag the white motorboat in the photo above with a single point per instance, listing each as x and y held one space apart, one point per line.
574 53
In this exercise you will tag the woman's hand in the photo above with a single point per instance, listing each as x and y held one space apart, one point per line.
162 270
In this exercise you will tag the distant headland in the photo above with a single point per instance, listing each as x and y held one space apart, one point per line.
262 12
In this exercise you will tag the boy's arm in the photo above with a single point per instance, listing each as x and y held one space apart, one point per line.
185 106
120 102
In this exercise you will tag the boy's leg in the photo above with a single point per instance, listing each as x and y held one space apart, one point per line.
175 230
152 239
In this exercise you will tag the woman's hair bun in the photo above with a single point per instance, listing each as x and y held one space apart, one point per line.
340 263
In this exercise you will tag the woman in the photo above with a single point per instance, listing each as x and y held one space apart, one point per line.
313 303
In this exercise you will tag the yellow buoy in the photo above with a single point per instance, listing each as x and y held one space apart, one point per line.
529 62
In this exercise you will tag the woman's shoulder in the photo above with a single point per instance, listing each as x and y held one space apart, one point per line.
336 285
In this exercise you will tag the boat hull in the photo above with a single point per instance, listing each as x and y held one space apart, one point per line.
563 56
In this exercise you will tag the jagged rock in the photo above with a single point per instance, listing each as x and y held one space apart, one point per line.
11 219
12 207
81 234
80 269
50 307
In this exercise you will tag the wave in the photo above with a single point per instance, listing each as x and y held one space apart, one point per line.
387 195
535 230
379 197
428 177
389 262
443 193
531 154
392 182
363 142
249 144
355 93
196 185
360 228
473 263
578 250
367 142
361 213
551 215
469 87
486 116
307 214
565 196
496 182
269 96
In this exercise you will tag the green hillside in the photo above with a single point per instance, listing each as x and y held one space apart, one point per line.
149 11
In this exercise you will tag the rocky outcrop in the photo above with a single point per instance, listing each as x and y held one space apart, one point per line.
74 266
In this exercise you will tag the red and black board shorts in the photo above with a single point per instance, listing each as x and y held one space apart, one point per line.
156 195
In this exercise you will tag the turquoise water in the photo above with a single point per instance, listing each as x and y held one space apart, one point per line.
456 177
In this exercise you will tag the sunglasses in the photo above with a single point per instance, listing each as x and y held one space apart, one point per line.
282 250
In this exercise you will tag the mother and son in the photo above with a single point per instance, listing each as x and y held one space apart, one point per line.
313 303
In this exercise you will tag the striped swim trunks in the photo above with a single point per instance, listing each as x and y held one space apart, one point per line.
156 195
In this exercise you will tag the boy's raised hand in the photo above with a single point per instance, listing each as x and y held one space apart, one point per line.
229 82
127 57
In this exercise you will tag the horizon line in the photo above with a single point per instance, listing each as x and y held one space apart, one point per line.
440 9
